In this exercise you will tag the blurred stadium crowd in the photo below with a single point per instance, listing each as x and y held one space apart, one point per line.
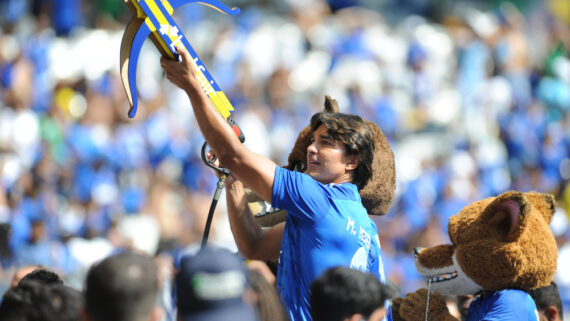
473 96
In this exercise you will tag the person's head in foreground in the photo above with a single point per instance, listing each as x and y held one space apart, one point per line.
548 303
212 285
265 298
122 287
344 294
33 300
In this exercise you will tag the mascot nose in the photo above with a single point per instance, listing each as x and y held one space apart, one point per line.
417 251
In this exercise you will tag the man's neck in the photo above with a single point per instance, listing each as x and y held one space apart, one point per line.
344 178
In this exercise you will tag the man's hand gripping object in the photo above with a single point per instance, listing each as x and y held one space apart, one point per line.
154 18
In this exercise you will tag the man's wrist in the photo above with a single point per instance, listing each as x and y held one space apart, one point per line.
235 187
193 89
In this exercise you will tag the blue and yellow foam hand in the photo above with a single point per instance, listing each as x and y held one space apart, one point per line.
154 18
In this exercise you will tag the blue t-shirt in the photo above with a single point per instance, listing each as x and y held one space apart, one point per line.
505 305
326 226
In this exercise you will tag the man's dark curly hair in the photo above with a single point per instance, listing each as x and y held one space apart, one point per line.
44 276
357 138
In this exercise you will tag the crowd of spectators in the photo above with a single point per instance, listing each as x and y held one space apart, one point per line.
473 97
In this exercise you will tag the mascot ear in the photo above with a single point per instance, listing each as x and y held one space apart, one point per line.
544 203
331 105
507 215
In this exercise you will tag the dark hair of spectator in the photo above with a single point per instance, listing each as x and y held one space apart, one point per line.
268 304
33 300
123 287
547 296
357 137
6 254
18 302
44 276
64 303
341 292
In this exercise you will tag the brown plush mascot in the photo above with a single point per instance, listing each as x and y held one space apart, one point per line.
501 247
376 195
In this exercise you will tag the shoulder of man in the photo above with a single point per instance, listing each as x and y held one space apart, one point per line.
505 305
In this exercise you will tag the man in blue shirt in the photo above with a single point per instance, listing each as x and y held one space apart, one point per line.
326 223
499 306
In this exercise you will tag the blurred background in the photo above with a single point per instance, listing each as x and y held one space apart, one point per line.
472 95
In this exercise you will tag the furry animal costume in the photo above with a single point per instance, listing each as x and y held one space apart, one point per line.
500 248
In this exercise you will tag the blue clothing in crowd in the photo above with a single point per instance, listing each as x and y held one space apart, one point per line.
503 305
326 226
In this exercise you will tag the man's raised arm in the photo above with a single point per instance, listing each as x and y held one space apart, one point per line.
254 170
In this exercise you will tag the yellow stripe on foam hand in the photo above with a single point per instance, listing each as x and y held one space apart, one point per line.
218 98
221 103
162 21
226 103
167 6
158 37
